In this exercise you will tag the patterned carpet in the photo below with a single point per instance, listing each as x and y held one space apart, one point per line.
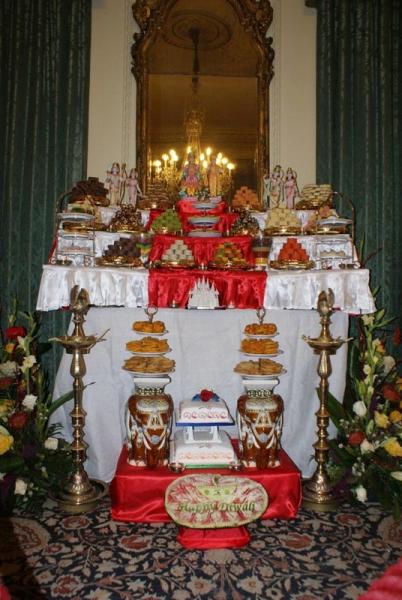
314 557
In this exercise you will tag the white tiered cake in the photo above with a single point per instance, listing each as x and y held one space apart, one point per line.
201 443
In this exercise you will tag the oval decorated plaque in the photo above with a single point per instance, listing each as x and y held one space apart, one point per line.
211 501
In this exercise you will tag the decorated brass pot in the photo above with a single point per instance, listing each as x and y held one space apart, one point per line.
259 420
149 424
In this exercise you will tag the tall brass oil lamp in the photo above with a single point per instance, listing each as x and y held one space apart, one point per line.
79 494
318 491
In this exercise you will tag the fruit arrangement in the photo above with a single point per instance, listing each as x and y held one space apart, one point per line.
127 219
293 252
168 221
245 198
228 255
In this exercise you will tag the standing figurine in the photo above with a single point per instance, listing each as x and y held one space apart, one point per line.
134 189
214 178
290 189
113 181
123 179
275 187
190 182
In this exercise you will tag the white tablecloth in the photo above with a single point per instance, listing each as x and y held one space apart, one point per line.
300 289
129 288
106 286
205 346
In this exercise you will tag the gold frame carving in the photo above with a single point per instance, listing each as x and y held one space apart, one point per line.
255 16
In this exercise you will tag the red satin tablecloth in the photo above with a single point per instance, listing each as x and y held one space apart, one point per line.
203 249
138 494
239 289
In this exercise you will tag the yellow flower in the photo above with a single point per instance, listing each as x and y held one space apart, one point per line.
393 447
395 416
6 441
380 419
6 406
378 346
9 348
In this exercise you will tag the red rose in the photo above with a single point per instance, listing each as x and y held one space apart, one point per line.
206 395
396 338
13 332
5 382
355 438
390 393
18 420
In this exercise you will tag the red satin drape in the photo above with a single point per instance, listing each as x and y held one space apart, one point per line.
238 289
203 249
138 494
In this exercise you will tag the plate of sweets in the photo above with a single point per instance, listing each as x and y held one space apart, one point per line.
150 328
228 256
292 256
155 365
148 346
263 368
260 330
260 347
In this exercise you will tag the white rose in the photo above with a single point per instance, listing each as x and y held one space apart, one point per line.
20 487
8 368
397 475
51 443
389 364
360 493
28 362
29 401
359 408
366 447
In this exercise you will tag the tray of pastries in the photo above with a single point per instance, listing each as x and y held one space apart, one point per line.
148 345
292 255
263 367
150 327
245 198
282 221
127 220
261 330
177 256
157 365
260 346
228 256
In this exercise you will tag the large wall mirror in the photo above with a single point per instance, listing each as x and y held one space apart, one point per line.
208 56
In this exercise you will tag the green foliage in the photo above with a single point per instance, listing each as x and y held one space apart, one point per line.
34 460
367 452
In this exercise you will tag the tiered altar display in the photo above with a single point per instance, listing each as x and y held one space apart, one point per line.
203 345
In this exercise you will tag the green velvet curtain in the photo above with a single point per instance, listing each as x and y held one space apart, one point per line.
44 83
359 126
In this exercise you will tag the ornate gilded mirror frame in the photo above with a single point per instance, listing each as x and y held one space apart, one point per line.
255 16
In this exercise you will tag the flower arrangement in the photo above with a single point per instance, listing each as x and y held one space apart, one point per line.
33 460
367 453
